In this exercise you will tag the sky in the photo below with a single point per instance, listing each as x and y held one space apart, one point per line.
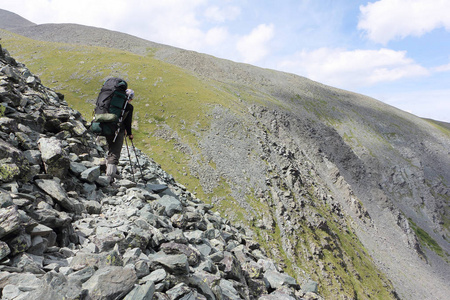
396 51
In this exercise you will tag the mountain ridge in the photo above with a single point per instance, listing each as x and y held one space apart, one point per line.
411 159
11 20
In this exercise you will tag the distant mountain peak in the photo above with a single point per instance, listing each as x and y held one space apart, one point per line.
9 20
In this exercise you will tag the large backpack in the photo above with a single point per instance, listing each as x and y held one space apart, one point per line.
110 106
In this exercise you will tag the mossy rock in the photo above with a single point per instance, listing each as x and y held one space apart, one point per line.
8 171
2 110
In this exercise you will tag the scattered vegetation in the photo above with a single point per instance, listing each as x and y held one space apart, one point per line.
441 126
426 240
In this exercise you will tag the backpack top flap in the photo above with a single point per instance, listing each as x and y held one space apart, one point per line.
112 86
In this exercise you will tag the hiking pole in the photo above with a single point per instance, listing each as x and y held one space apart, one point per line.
139 165
129 157
119 123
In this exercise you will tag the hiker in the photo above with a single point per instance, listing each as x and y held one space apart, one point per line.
115 142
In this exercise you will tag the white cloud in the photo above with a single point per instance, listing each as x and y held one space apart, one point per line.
386 20
432 104
352 69
218 14
216 36
443 68
102 13
172 22
254 46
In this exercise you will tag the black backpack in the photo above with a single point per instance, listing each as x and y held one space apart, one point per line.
110 106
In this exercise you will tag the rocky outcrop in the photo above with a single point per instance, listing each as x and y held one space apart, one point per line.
66 234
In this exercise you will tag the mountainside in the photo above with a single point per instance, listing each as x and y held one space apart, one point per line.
65 233
333 184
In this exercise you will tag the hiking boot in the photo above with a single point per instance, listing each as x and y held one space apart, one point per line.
111 171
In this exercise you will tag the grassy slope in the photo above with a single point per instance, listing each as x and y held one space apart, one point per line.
164 94
171 108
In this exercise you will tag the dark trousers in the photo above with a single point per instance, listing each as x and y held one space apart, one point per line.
114 148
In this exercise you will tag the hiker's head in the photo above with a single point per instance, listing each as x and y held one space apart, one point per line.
130 94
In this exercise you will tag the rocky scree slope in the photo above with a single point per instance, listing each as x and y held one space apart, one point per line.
376 190
66 234
366 153
381 171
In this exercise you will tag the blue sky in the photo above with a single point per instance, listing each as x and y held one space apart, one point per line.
397 51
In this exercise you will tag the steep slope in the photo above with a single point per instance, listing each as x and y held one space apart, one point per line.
395 164
65 233
306 166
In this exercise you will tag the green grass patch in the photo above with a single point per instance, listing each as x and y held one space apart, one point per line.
441 126
426 240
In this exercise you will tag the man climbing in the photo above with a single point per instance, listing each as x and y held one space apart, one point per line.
115 141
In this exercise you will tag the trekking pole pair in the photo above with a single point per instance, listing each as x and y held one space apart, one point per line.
137 160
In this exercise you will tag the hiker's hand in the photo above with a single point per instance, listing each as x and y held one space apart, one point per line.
130 136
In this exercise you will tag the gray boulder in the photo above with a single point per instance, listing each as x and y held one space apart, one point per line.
4 250
54 189
156 276
310 287
276 280
9 221
33 156
141 292
191 253
110 283
56 286
176 264
91 174
77 168
54 157
171 204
